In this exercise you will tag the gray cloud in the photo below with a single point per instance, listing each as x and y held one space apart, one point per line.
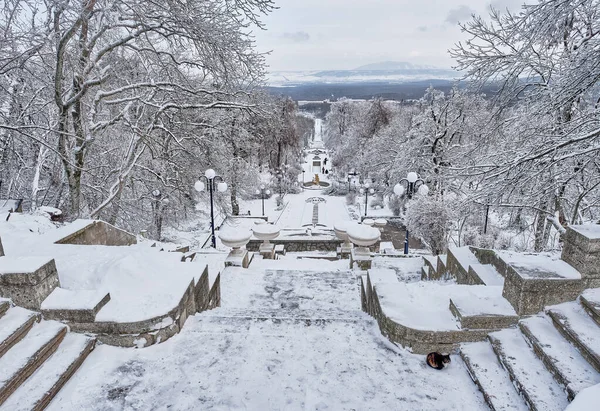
297 37
461 13
512 5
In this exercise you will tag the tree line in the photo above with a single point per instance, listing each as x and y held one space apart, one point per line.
531 150
113 108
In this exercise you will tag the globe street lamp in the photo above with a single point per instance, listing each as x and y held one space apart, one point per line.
262 192
211 179
413 183
366 191
350 175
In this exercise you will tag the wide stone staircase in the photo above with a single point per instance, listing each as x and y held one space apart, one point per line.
553 353
542 364
36 358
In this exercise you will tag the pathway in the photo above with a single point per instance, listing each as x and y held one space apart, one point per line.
282 340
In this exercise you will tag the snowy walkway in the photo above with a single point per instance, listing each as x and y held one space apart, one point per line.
282 340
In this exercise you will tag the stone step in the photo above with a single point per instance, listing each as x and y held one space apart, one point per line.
442 271
14 325
486 274
39 389
484 308
560 357
590 299
4 306
25 357
80 306
532 380
492 380
458 262
245 323
577 326
282 314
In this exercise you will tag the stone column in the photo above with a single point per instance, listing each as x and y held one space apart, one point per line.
582 251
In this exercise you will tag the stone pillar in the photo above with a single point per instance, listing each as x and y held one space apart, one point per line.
582 251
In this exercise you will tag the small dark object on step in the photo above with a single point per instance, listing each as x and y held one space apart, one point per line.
437 360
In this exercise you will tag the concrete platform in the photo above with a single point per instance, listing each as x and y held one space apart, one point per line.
74 305
27 281
485 308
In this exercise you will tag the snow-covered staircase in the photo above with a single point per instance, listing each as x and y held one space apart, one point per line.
36 358
546 361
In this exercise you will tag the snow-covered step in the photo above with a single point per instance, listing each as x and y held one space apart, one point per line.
28 354
575 323
492 380
532 379
560 357
484 308
590 299
4 306
14 325
39 389
487 274
283 314
74 305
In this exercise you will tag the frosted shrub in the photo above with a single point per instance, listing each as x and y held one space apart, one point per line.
395 205
429 219
377 203
351 198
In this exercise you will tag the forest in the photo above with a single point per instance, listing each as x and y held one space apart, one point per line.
529 152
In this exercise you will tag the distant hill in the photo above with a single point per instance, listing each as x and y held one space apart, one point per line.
393 65
388 72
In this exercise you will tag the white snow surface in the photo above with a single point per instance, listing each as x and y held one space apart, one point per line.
482 300
34 388
566 358
420 305
488 274
586 400
543 390
21 264
12 320
493 377
531 266
62 299
591 231
464 256
293 340
142 281
577 318
22 352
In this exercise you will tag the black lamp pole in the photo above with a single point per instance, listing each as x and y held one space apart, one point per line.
210 183
411 188
262 191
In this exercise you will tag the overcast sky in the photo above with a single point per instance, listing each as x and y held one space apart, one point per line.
345 34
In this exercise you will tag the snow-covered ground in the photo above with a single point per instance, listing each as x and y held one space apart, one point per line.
282 340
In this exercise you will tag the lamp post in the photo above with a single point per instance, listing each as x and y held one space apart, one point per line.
413 183
210 179
262 193
303 171
367 190
280 174
350 175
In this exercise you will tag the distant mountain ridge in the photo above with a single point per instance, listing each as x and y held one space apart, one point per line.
394 65
392 72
